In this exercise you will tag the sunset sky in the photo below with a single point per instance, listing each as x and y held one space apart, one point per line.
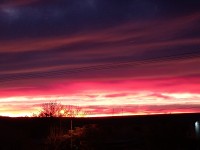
110 57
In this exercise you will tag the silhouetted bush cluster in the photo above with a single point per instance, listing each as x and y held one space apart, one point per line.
80 138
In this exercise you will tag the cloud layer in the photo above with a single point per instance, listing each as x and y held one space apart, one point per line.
64 48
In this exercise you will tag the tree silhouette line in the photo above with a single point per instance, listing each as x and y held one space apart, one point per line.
55 109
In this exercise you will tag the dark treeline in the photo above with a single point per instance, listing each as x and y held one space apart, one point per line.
172 131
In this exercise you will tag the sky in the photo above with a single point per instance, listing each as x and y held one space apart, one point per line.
109 57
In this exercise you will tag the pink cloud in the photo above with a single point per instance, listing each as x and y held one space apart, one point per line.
116 95
107 81
172 85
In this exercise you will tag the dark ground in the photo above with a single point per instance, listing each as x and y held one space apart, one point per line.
152 132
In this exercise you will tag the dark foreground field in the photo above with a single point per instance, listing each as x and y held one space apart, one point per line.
154 132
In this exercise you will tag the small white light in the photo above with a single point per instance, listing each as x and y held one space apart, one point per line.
197 128
196 124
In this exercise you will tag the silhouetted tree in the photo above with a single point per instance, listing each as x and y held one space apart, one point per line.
51 109
55 109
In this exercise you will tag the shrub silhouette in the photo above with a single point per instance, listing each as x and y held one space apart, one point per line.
55 109
51 109
84 138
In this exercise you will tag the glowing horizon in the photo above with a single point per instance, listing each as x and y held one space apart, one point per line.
114 99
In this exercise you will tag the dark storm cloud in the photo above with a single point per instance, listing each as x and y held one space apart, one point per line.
50 18
93 39
36 18
12 3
